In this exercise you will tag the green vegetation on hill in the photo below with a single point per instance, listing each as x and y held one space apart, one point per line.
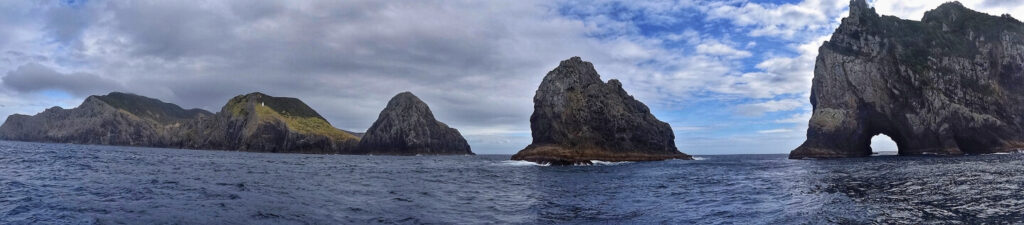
148 107
293 112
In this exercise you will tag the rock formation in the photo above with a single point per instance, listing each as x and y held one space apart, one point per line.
952 83
262 123
407 127
113 119
578 118
252 122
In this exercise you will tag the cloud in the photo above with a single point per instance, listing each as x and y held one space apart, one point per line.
774 131
777 20
35 77
758 109
915 9
476 63
719 49
796 118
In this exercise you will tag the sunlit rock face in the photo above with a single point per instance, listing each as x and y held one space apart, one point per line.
258 122
578 118
952 83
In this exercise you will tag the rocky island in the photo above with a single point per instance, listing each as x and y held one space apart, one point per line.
578 118
408 127
950 84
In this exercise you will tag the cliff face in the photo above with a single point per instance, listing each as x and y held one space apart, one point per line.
113 119
950 84
252 122
407 127
262 123
578 118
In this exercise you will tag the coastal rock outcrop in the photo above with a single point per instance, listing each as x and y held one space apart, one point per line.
578 118
408 127
252 122
261 123
113 119
950 84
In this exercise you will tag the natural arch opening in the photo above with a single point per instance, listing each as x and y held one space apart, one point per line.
882 144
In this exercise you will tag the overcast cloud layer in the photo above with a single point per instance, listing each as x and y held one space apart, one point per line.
730 76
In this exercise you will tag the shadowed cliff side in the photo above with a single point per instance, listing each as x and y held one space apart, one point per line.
408 127
578 118
252 122
113 119
949 84
261 123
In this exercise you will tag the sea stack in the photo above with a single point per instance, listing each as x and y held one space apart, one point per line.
261 123
578 118
408 127
950 84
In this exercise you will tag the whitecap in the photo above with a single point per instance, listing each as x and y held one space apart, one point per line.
606 163
699 158
522 163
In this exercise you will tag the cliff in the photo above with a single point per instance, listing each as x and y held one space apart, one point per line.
252 122
408 127
950 84
578 118
261 123
113 119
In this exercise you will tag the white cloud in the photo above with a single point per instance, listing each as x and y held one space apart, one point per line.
783 21
476 63
758 109
915 9
796 118
719 49
774 131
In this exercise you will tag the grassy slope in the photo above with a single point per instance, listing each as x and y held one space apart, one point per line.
293 112
149 108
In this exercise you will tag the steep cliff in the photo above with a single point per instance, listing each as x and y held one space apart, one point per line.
952 83
578 118
407 127
262 123
113 119
252 122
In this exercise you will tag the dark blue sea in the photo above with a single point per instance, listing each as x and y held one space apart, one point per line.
81 184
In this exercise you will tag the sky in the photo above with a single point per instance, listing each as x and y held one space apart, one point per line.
730 76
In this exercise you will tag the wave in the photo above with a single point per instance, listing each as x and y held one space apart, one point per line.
522 163
606 163
1018 151
699 158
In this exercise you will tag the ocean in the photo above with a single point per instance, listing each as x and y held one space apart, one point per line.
84 184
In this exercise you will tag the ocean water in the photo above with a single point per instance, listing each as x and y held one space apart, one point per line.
80 184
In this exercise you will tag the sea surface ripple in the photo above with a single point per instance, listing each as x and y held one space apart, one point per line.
82 184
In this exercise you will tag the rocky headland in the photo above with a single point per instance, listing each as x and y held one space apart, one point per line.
408 127
113 119
950 84
578 118
261 123
252 122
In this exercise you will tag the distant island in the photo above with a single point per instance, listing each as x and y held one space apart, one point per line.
254 122
578 118
950 84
